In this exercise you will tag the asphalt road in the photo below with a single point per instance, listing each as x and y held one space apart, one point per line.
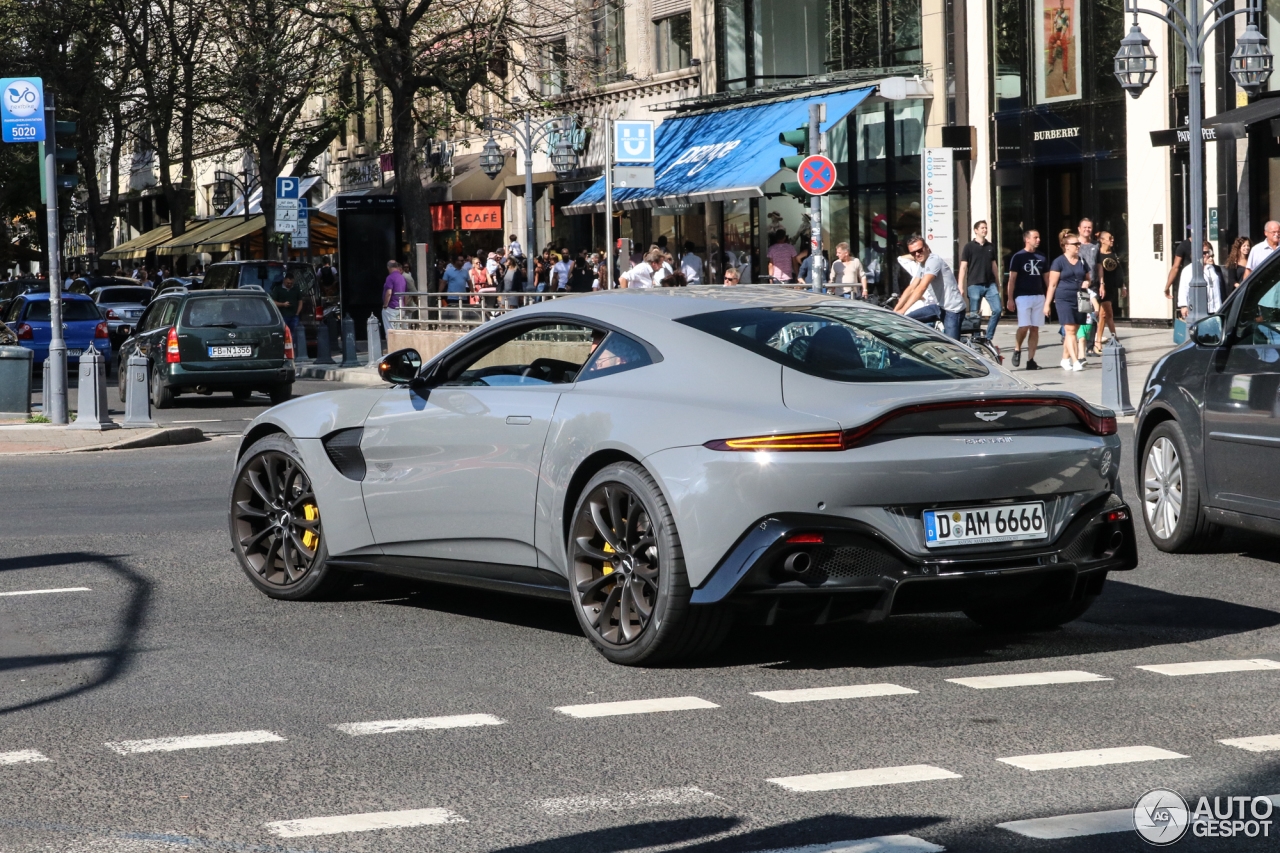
169 640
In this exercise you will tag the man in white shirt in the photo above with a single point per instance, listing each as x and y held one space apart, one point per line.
933 278
691 264
643 274
848 270
1263 250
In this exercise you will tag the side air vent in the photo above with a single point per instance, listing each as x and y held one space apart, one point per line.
343 448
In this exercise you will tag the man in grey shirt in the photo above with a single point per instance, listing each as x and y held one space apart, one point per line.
1088 247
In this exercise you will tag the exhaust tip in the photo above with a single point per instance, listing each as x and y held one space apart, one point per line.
798 563
1117 539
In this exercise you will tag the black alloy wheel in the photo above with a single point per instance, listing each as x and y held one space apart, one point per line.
627 577
276 530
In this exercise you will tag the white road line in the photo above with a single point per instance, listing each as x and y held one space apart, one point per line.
1262 743
637 706
1210 667
880 844
1027 679
361 822
379 727
172 744
1073 825
686 796
864 778
22 756
214 421
1090 757
819 694
46 591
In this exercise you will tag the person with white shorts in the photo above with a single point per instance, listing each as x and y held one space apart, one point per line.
1026 290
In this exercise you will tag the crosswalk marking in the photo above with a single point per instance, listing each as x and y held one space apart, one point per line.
458 721
1090 757
864 778
1262 743
172 744
636 706
1073 825
22 756
879 844
1210 667
686 796
362 822
819 694
1027 679
45 591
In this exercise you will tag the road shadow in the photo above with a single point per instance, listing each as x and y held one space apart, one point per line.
523 611
120 652
694 835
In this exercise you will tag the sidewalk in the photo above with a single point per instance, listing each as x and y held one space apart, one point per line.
362 375
21 439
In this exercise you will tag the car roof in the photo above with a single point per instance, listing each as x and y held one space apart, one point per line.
227 293
674 302
67 296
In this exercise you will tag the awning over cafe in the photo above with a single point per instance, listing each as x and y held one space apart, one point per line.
136 249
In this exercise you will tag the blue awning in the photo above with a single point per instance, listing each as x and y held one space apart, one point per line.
722 155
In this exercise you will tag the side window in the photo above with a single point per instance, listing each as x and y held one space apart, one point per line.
549 354
1259 319
147 318
615 354
15 310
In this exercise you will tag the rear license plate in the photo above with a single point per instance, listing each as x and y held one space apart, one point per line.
984 524
230 352
75 352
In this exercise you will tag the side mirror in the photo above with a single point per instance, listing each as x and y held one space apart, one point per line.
400 367
1208 332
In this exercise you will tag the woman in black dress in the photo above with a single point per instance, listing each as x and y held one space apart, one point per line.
1233 265
1110 286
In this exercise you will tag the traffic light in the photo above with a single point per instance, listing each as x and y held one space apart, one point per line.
799 140
66 156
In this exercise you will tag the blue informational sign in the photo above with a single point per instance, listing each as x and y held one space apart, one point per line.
633 142
287 187
302 209
22 109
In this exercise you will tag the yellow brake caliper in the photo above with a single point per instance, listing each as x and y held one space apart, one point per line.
309 538
608 567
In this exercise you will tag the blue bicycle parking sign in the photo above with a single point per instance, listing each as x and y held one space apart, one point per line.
22 109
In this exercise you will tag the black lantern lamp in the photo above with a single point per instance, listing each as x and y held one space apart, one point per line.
1135 62
1251 61
492 159
564 159
221 197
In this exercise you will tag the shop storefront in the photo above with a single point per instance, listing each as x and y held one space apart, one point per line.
467 228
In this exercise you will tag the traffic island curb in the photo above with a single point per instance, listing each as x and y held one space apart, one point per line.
351 375
47 440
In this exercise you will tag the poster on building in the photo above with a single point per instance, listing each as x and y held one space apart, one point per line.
1058 51
939 203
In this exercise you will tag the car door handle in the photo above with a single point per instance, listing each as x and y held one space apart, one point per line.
519 419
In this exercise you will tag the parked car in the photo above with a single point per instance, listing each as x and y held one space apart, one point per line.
1208 423
82 325
267 275
87 284
206 342
9 290
666 461
121 307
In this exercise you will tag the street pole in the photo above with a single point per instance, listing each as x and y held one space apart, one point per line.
1197 296
815 204
528 201
55 396
608 202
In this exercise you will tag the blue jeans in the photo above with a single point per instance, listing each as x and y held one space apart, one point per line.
928 315
977 292
951 322
294 325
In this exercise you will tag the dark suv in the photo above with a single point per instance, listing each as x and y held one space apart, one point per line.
1208 424
212 341
229 275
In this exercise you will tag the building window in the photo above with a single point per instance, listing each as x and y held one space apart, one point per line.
872 34
608 40
674 40
551 68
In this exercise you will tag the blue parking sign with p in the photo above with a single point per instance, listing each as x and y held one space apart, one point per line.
633 142
287 187
22 109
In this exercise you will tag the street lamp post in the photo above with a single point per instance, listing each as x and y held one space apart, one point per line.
222 198
527 137
1135 66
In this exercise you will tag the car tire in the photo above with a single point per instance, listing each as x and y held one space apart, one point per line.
122 385
1170 485
242 393
1034 617
281 392
161 394
284 555
623 510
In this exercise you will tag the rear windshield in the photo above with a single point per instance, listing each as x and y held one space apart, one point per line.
268 276
228 311
71 311
140 295
846 344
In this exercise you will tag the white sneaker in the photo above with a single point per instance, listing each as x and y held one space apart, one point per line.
1066 364
1077 365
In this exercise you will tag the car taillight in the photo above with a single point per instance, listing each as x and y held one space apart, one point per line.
319 313
100 331
25 333
805 539
288 343
793 441
112 315
172 355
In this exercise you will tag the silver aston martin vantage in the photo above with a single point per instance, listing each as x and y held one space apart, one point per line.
670 461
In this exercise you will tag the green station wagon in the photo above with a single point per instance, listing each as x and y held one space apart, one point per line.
207 341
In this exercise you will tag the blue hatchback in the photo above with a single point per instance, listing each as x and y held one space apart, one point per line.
82 325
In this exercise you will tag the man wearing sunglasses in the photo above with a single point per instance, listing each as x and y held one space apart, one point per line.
933 292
